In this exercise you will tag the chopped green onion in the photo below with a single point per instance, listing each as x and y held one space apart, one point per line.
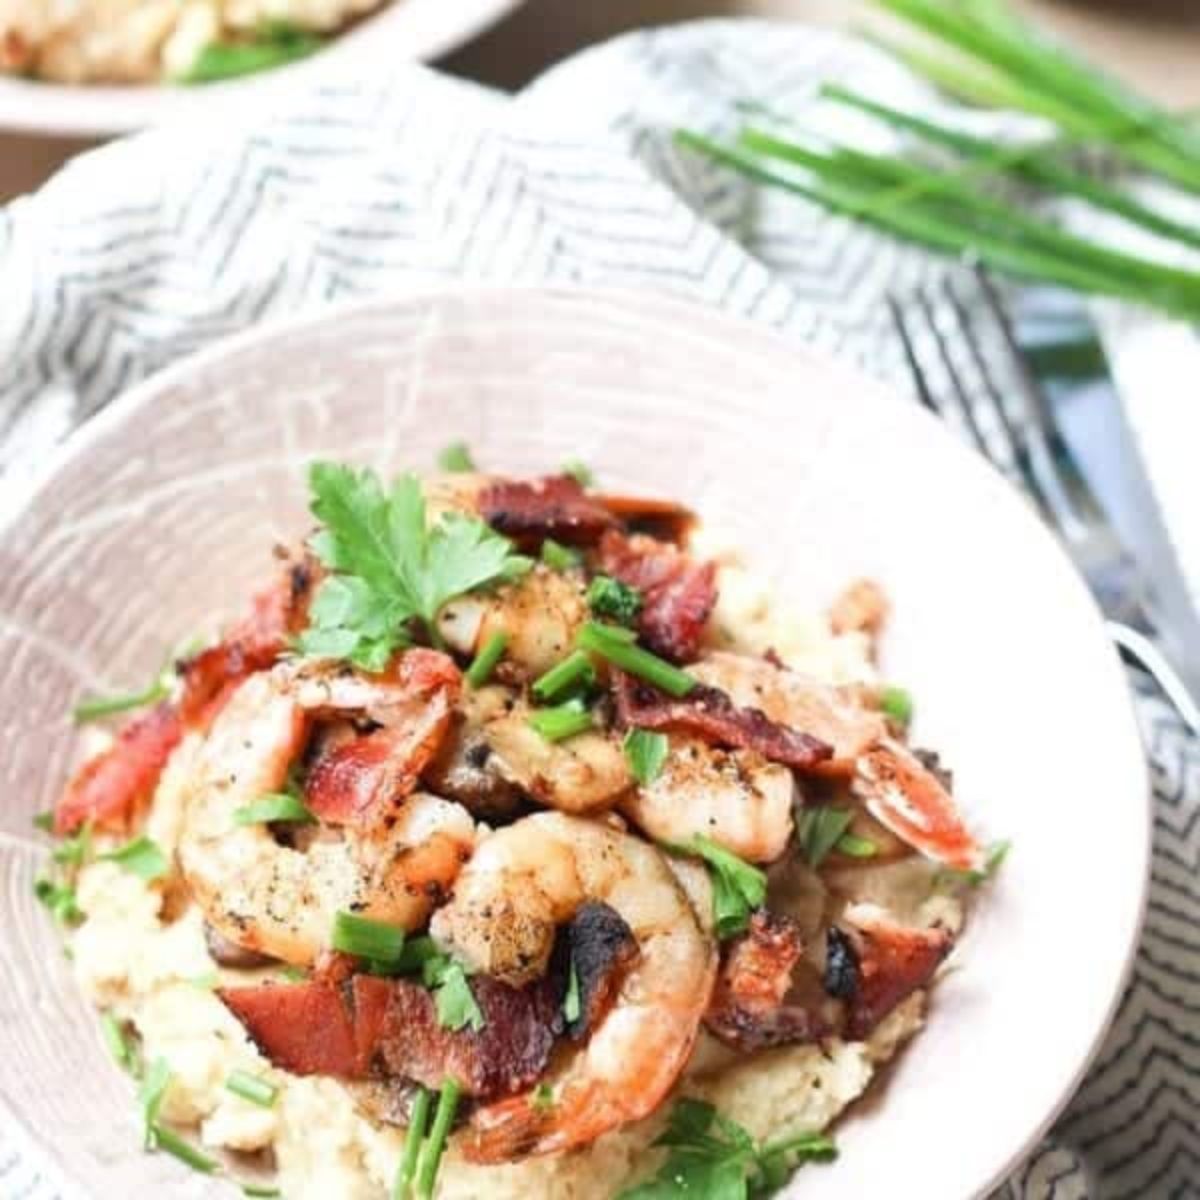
897 704
574 673
365 938
854 846
272 45
580 472
567 720
456 458
168 1140
543 1097
820 829
435 1143
273 806
264 1190
559 557
609 597
480 671
997 852
74 851
117 1040
150 1096
417 952
251 1087
60 900
44 821
418 1118
141 857
646 752
616 645
293 974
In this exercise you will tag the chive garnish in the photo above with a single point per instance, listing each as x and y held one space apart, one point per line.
456 458
93 708
365 938
150 1096
264 1190
168 1140
559 557
820 830
575 672
579 471
141 857
273 806
480 671
435 1144
60 900
567 720
617 646
252 1088
74 851
418 1118
44 821
897 704
543 1096
854 846
117 1040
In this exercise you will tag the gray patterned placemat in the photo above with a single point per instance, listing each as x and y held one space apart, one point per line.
148 249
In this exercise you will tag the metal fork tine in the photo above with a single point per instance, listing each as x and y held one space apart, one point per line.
1017 445
910 354
961 395
1068 496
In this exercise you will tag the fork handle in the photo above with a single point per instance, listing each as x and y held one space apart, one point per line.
1147 655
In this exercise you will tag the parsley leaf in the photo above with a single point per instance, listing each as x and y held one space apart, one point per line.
142 857
646 752
609 597
454 1001
738 887
714 1158
389 567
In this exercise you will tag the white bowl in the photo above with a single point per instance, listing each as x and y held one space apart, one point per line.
401 31
163 509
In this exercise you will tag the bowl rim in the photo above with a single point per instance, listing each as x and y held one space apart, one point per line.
122 407
421 30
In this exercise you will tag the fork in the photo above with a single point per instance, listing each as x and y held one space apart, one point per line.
1029 445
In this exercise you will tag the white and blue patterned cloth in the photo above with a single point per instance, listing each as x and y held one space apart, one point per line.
152 247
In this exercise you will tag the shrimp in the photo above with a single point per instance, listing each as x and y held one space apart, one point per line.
523 882
539 614
736 798
279 900
893 784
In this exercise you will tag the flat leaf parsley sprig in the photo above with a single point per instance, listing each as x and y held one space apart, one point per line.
391 570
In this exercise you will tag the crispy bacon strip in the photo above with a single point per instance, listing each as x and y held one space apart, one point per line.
709 713
355 780
531 510
510 1052
306 1028
678 594
111 789
891 962
666 520
253 644
759 999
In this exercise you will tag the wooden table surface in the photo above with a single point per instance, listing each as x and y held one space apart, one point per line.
1153 43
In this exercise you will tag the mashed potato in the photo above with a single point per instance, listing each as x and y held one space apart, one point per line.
144 957
144 41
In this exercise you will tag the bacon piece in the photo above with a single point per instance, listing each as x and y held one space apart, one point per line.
709 713
666 520
354 781
678 594
910 800
509 1052
253 644
531 510
760 998
306 1028
111 789
892 962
